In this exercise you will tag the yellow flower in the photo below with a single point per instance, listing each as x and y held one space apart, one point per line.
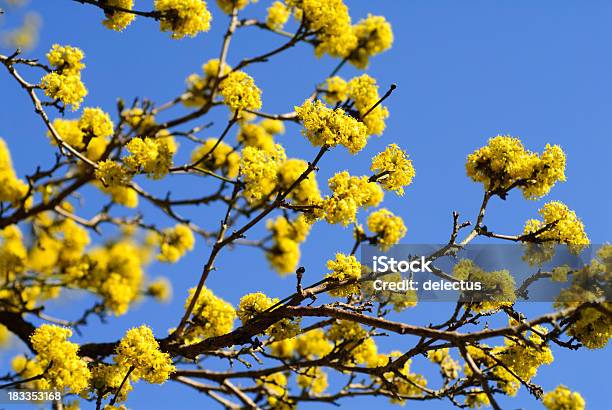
223 158
228 5
389 229
212 316
286 235
563 226
323 125
398 169
160 289
68 88
96 123
183 17
112 173
505 163
374 36
66 59
67 369
175 242
307 191
254 135
252 304
153 156
118 20
363 90
344 267
313 344
107 379
313 380
12 189
278 14
337 90
239 92
563 398
138 349
259 169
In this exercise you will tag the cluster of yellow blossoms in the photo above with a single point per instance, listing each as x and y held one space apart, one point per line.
389 229
252 304
106 379
12 189
310 345
278 14
326 126
505 163
498 287
212 316
560 225
118 20
393 169
228 5
563 398
239 92
259 170
64 82
313 380
223 157
175 242
138 350
349 193
199 87
449 367
360 346
363 92
284 255
519 360
374 35
59 359
344 268
307 191
260 135
183 17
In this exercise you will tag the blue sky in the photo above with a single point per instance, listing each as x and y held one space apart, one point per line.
465 71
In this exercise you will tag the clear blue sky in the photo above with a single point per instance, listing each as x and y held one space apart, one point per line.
465 71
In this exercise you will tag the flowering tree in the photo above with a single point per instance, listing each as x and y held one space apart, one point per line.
285 347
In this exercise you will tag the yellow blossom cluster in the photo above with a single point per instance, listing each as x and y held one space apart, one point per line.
138 119
175 242
239 92
310 345
153 156
212 316
112 173
326 126
307 191
259 170
223 157
449 367
498 287
60 243
95 123
519 359
407 383
139 350
356 341
284 255
252 304
563 398
393 169
389 229
313 380
118 20
505 163
12 189
336 91
115 272
560 225
88 133
183 17
64 368
64 82
228 5
199 87
349 194
593 328
275 385
278 14
160 289
331 21
363 90
260 135
344 268
106 379
374 35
